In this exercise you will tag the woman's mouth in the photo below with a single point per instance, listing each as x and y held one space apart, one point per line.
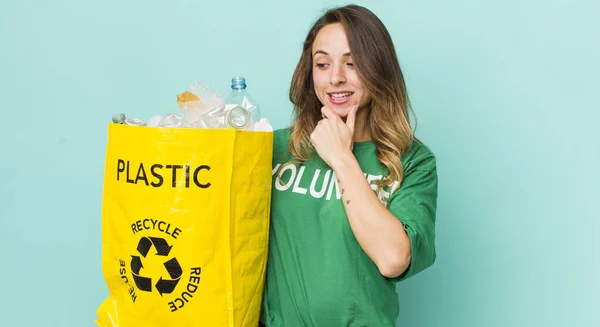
339 97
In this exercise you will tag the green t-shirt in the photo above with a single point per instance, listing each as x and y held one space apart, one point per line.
318 275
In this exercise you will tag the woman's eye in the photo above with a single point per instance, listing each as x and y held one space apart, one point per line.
350 64
320 65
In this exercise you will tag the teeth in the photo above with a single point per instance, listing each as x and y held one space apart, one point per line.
340 95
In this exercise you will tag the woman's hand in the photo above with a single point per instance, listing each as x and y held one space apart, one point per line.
332 138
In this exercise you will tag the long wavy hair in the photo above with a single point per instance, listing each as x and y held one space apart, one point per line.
376 63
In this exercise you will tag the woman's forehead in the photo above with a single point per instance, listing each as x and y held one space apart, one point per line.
331 40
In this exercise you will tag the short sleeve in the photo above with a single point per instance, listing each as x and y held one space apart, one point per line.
415 204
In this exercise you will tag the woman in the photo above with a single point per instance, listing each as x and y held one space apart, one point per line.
354 194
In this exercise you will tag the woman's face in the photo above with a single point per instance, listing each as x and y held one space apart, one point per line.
335 79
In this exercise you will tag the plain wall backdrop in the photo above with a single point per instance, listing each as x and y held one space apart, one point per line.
505 92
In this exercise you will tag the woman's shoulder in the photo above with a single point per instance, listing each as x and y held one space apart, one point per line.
281 138
418 156
282 134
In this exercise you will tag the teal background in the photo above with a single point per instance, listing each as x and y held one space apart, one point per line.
505 93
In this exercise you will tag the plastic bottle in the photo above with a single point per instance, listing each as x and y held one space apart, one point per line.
239 97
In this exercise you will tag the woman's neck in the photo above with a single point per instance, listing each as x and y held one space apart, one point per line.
361 130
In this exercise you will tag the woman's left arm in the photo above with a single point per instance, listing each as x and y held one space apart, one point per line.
380 234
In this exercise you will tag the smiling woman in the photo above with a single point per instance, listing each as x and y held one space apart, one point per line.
333 260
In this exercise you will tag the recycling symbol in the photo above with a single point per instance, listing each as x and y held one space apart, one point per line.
163 285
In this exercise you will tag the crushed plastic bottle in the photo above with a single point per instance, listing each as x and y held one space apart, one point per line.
239 97
227 116
119 118
134 122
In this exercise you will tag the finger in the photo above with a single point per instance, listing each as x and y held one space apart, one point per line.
351 118
328 113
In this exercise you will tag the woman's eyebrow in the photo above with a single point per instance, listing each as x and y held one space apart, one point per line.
347 54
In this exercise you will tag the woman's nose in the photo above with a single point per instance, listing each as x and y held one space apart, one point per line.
337 75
